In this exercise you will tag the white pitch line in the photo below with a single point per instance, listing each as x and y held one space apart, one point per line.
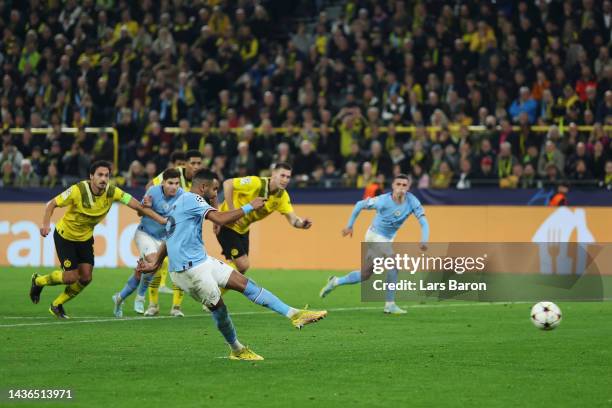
104 319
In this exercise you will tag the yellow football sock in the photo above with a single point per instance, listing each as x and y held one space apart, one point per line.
163 272
52 279
177 296
154 289
70 292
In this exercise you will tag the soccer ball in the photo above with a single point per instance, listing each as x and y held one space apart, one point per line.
545 315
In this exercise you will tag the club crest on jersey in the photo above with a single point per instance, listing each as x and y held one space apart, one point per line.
397 213
67 264
165 206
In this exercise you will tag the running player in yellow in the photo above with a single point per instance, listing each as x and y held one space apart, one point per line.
192 163
234 237
88 203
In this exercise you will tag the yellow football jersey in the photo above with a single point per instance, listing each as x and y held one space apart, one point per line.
85 210
248 188
185 184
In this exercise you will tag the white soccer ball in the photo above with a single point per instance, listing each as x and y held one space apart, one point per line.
545 315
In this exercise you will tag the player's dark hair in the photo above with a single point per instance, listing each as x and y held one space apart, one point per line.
283 165
193 153
403 176
100 163
203 176
176 156
170 174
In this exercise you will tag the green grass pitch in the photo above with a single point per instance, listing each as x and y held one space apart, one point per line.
439 354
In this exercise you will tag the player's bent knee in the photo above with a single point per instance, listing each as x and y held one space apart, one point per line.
215 306
242 264
213 299
70 277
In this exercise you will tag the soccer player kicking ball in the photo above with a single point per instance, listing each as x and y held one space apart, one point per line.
88 203
201 275
392 209
149 235
234 237
191 162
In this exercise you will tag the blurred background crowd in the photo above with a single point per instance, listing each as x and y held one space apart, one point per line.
349 92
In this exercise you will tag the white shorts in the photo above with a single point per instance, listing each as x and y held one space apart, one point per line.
145 243
383 246
202 282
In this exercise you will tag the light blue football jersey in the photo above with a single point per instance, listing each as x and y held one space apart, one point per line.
389 215
161 205
184 232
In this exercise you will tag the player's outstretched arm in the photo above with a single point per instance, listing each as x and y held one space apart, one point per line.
297 222
147 202
228 192
360 205
46 224
424 231
227 217
135 205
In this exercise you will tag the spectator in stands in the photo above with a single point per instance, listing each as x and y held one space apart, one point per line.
52 179
75 163
464 178
550 155
244 159
529 179
151 170
103 148
486 176
330 177
420 176
136 175
283 154
27 177
380 160
10 153
513 180
134 66
367 175
486 150
8 174
604 110
599 159
579 154
305 161
551 175
505 161
580 172
524 103
350 176
442 177
606 182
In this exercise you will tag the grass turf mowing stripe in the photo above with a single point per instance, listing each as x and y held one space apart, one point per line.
106 319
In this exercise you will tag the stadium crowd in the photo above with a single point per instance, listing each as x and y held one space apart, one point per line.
340 88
